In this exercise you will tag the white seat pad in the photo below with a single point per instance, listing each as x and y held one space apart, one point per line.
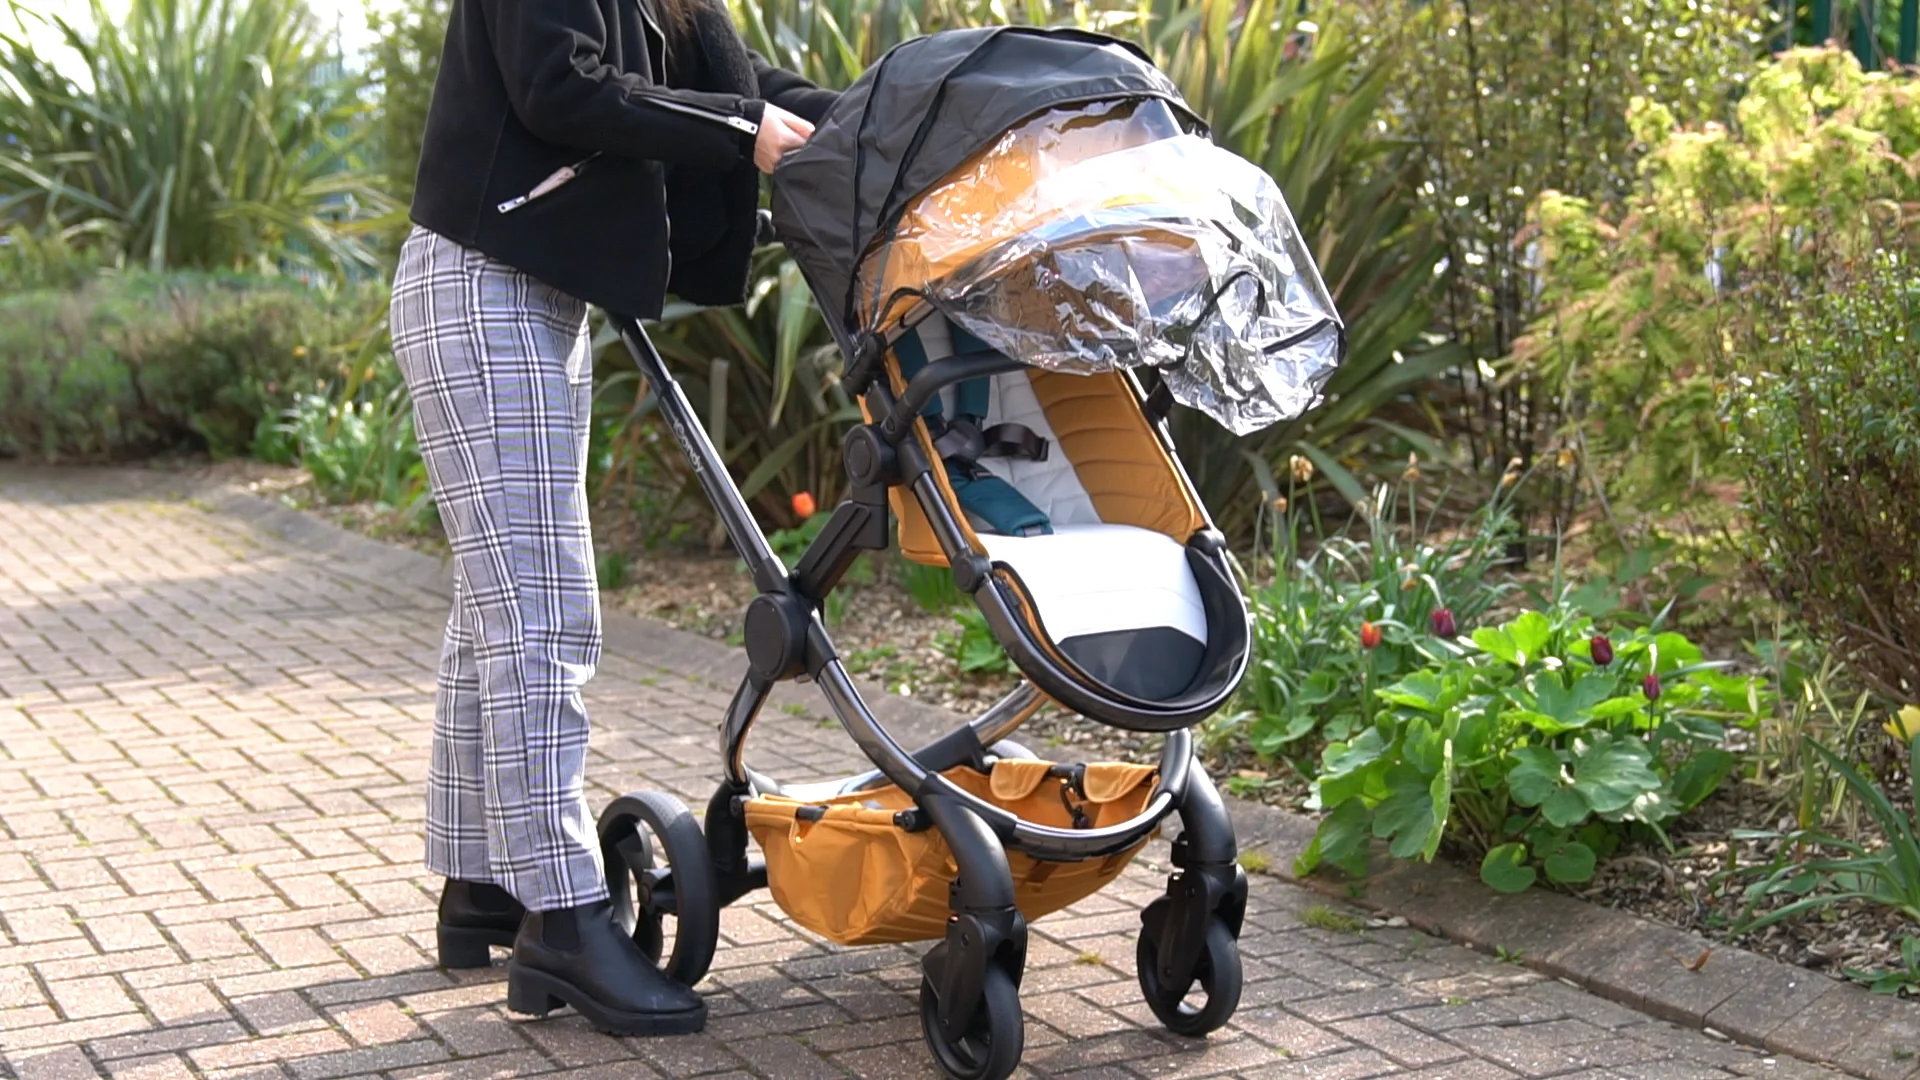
1052 485
1094 579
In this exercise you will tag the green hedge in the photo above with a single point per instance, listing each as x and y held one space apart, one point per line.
137 365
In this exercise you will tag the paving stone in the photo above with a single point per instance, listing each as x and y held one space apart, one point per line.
1755 1011
1405 1045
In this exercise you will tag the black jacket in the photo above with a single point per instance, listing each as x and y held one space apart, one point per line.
652 130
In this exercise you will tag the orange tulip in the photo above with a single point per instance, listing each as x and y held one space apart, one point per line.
803 505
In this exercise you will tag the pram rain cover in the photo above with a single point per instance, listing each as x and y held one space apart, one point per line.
1050 192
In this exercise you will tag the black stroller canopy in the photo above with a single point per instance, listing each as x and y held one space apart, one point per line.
922 111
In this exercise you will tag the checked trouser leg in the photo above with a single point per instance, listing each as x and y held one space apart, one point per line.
500 369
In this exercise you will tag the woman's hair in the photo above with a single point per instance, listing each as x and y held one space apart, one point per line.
676 20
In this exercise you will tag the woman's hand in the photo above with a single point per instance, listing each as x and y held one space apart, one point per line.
780 133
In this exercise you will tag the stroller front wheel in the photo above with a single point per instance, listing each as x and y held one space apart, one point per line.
658 868
1216 974
990 1045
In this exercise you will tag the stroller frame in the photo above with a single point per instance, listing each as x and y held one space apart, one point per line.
969 994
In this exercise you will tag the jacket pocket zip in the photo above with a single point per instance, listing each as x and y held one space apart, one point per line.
567 173
732 120
560 178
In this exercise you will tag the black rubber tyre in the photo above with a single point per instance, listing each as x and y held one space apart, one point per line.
995 1037
1217 976
640 835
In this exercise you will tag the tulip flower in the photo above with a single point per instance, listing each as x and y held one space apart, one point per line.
803 505
1602 650
1906 725
1651 686
1369 636
1443 624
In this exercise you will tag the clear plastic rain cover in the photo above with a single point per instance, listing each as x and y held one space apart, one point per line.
1104 237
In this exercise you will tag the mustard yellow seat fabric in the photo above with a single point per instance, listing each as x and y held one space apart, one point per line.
855 877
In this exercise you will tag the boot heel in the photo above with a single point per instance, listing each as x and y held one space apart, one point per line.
464 948
527 993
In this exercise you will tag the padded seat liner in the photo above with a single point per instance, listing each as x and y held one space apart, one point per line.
1121 602
1052 485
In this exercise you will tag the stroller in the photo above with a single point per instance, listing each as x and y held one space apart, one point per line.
1006 228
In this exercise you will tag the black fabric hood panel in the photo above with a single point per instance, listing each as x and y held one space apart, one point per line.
926 107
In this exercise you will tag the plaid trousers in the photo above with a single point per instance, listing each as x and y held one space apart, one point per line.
500 369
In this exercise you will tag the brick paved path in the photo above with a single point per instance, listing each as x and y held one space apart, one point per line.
212 751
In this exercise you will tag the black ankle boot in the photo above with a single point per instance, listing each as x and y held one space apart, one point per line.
474 916
580 957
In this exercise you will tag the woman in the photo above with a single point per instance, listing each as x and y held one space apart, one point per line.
563 137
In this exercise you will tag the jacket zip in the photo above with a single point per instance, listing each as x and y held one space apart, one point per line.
558 179
566 174
732 120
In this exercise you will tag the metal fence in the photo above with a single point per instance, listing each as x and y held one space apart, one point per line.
1880 32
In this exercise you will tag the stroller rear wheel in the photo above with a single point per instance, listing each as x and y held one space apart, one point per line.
1216 975
658 869
989 1044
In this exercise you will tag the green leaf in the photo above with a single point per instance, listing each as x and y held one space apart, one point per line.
1498 643
1340 840
1675 652
1615 708
1565 808
1700 776
1546 725
1571 706
1505 869
1535 775
1336 474
1422 690
1270 733
1473 735
1422 746
1409 818
1344 759
1571 863
1611 773
1321 687
1530 633
1440 791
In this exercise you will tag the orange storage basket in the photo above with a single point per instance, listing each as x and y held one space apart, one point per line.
856 878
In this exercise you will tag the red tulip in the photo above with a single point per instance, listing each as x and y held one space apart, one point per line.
1652 687
1602 650
803 505
1443 624
1369 636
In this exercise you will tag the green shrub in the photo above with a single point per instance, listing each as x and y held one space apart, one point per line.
1813 870
403 62
972 646
188 135
1506 99
1647 297
129 366
58 260
1528 754
1827 438
359 448
1309 677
